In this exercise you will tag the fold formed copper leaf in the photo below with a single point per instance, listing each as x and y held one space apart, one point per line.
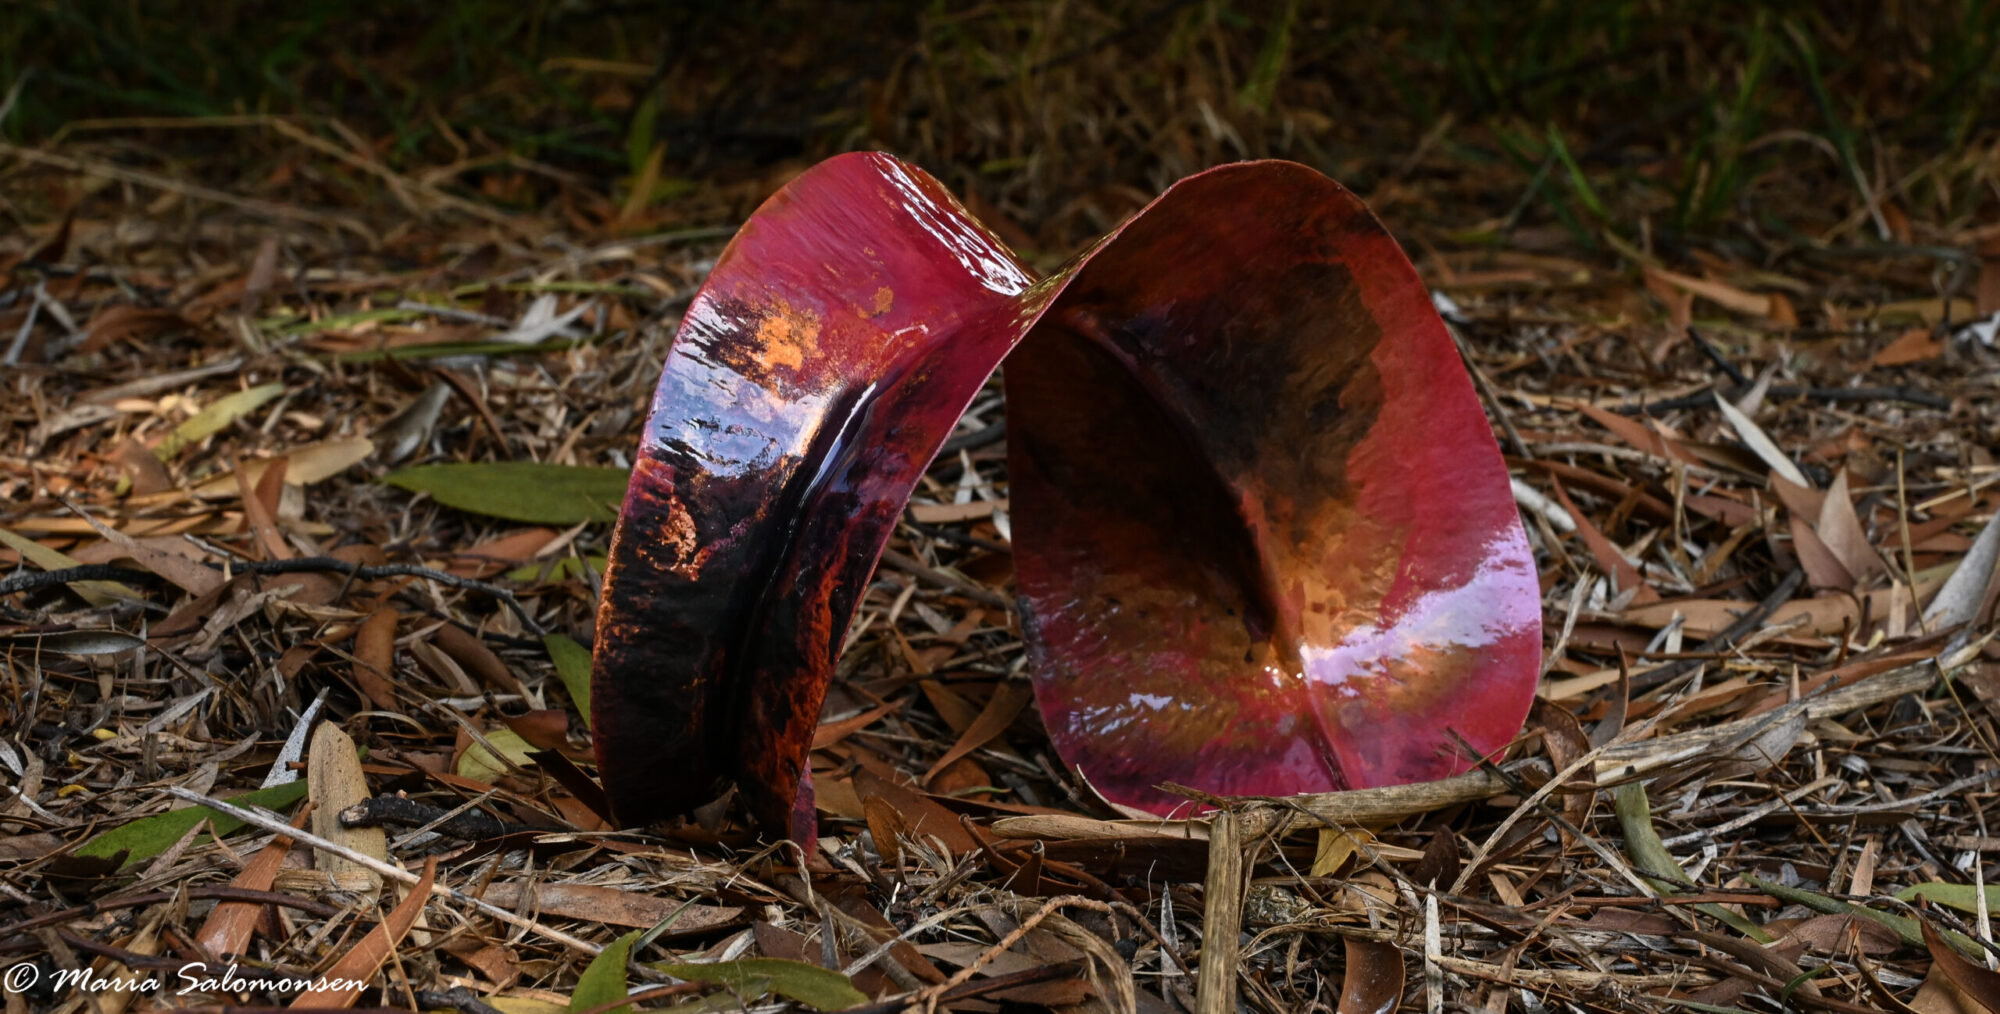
1264 539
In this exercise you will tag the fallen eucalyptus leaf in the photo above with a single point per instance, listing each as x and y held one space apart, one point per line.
603 981
407 430
520 490
573 668
1910 930
1658 867
478 763
147 837
1964 897
80 642
1958 601
213 418
1977 982
1761 444
344 982
818 988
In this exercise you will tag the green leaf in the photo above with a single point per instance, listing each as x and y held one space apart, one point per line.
568 568
1649 854
211 420
1963 897
573 668
604 981
147 837
521 490
1910 930
816 987
478 763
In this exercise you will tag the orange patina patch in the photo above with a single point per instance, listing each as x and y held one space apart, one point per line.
884 299
787 336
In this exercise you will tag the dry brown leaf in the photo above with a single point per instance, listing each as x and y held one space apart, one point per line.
472 653
830 733
148 475
924 816
496 962
331 991
1913 346
1638 434
951 706
375 658
1008 700
1823 568
260 508
886 826
1976 983
1564 739
1840 529
227 929
1727 296
1610 559
611 906
172 559
1838 935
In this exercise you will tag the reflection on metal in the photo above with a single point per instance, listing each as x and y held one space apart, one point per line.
1264 541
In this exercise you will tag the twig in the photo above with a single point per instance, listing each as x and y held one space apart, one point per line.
976 439
32 580
1744 624
1706 398
1619 761
908 565
473 824
929 998
271 822
309 564
1715 356
218 892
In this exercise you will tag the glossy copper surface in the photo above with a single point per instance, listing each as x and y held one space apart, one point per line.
1264 539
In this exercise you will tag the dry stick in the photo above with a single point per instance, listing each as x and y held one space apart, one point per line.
1618 762
1744 624
1221 918
271 822
1486 390
1706 398
929 998
309 564
215 892
908 565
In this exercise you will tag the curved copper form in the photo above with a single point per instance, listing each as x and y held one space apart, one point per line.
1264 539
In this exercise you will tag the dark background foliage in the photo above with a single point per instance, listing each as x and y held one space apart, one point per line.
1689 115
